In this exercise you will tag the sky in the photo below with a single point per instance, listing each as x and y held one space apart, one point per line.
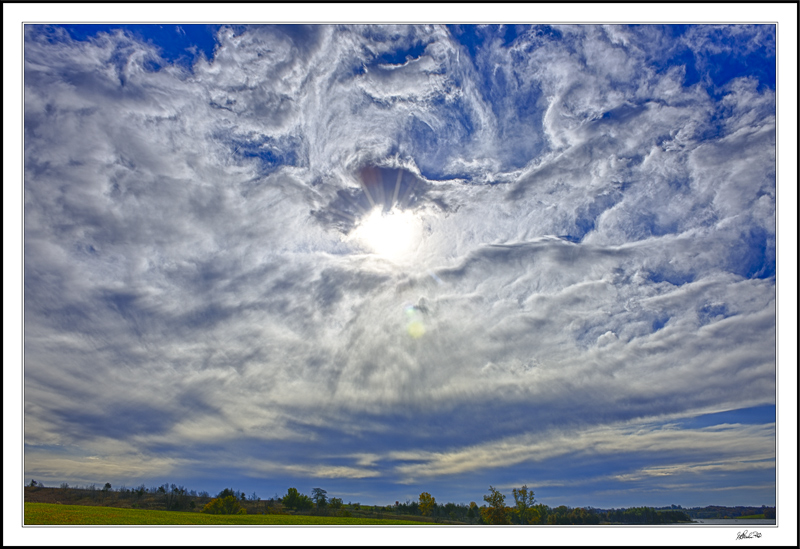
382 260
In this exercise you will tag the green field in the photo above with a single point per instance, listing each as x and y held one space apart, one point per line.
52 513
761 516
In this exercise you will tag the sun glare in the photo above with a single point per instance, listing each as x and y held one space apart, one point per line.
393 235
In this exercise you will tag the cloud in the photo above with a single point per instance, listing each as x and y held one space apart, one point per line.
747 443
597 247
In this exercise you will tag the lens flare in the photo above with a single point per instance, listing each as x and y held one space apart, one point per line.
415 327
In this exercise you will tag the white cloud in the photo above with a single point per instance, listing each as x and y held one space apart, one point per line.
177 280
745 443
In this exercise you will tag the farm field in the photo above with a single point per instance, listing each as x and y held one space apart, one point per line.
55 514
761 516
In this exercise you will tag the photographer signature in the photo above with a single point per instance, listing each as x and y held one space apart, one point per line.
747 535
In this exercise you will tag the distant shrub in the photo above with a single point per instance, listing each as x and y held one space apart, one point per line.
274 510
228 505
295 500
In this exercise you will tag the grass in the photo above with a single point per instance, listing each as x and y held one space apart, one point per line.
761 516
55 514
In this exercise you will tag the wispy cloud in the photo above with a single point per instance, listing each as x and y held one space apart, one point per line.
746 442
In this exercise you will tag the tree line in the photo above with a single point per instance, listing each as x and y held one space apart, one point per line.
523 510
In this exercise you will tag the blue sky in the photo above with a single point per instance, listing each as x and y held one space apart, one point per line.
569 281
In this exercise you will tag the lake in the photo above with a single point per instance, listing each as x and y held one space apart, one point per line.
734 522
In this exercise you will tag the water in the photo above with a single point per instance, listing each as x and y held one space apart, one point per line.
735 522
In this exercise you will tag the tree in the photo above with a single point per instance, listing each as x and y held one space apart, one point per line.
319 496
175 498
336 503
559 515
496 513
583 516
426 503
524 502
295 500
107 487
474 512
539 514
228 505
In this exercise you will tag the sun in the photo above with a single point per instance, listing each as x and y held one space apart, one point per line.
393 235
